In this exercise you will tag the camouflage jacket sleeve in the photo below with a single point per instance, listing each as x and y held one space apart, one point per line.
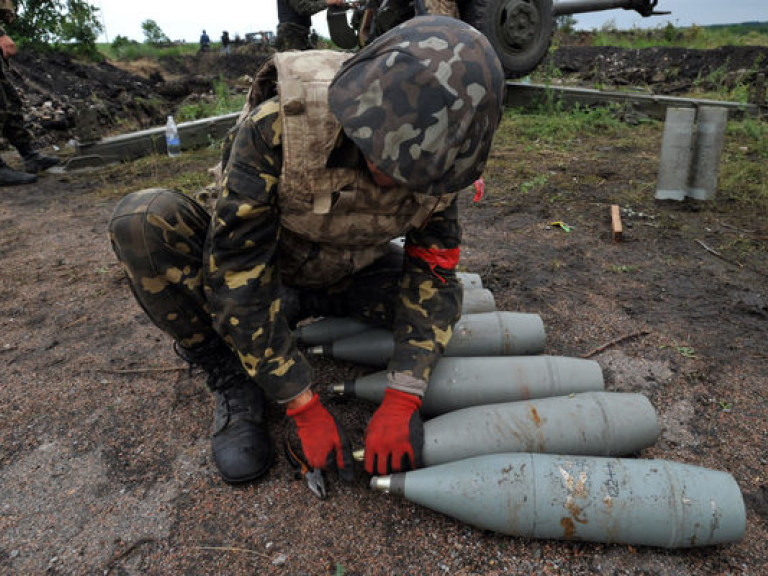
308 7
430 298
241 276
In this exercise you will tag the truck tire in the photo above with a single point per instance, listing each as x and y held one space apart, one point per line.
519 30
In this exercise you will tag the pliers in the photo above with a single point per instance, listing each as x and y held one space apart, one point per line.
315 479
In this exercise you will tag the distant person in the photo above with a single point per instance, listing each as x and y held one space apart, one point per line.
294 21
205 41
225 42
12 118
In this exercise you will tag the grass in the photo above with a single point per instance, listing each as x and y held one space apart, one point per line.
187 173
696 37
138 50
566 155
222 103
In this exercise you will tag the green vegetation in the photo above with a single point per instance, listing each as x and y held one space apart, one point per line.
668 35
546 150
187 173
223 103
156 44
128 50
70 26
744 167
153 34
552 125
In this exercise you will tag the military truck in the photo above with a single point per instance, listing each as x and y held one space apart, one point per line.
265 38
519 30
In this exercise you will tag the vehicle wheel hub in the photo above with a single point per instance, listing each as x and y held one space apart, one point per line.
518 22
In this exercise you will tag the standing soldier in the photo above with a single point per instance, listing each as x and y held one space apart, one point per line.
225 42
205 42
11 115
340 155
294 21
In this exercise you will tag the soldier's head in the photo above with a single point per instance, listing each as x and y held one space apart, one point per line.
422 103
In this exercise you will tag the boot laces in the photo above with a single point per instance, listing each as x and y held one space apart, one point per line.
230 388
223 377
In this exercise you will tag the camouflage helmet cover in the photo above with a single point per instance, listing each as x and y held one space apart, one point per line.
422 102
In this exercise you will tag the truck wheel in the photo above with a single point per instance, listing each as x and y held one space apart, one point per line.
519 30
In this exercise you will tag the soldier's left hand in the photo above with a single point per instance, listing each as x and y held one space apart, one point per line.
395 435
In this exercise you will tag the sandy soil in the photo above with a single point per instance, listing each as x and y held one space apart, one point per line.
105 466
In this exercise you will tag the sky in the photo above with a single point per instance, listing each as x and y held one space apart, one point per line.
186 20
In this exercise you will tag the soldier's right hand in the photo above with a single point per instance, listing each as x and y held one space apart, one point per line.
322 439
7 46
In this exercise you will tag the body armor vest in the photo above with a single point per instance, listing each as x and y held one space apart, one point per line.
335 221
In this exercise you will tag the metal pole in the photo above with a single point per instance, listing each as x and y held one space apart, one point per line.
579 6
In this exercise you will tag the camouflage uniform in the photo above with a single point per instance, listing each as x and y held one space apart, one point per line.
295 20
201 280
11 115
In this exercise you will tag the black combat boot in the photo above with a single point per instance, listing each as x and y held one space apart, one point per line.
241 445
11 177
34 162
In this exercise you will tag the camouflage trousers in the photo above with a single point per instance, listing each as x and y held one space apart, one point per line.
158 236
292 36
12 117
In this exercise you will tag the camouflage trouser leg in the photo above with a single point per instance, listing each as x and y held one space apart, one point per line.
370 294
292 36
12 118
442 7
158 237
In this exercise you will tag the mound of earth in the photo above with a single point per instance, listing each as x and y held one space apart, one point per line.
664 70
137 95
124 96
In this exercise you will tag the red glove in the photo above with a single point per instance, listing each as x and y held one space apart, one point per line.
322 438
395 435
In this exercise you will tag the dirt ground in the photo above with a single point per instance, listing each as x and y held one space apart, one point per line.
105 464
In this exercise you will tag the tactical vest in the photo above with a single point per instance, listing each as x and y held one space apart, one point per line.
335 221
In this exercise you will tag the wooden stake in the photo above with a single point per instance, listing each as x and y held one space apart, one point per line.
616 222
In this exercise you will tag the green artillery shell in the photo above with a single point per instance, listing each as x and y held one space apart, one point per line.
469 280
331 328
591 424
486 334
461 382
611 500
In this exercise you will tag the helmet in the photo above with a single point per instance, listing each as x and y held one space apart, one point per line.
422 102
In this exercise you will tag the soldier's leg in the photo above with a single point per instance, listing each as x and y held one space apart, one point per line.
9 121
17 134
369 295
158 236
292 36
